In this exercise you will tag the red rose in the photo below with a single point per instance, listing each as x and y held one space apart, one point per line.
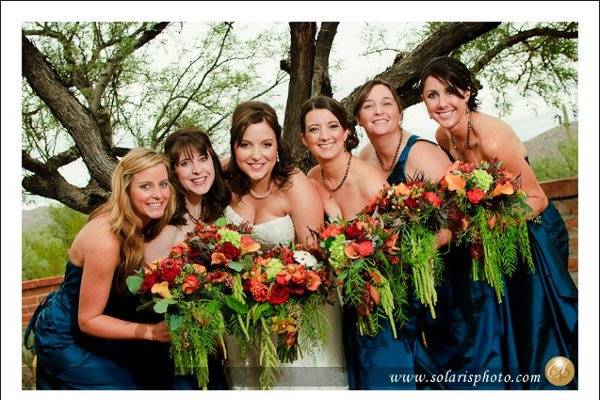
475 195
432 199
170 269
365 248
282 278
353 231
190 284
278 294
411 202
149 281
230 251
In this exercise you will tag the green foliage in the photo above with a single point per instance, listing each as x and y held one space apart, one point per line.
313 325
558 166
44 249
193 338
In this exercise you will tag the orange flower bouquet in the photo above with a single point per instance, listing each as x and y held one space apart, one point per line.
486 209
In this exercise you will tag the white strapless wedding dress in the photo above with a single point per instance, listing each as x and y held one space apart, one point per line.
324 370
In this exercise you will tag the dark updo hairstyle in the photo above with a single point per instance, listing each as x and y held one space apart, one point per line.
189 142
327 103
364 91
246 114
454 74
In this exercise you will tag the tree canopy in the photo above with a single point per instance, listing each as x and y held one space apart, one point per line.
93 90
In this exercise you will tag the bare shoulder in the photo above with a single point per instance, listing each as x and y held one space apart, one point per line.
314 173
367 172
426 150
299 181
95 240
367 152
494 134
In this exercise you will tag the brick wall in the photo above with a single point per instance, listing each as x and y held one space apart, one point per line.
562 192
34 292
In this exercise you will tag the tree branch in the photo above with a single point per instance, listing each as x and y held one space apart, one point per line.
405 74
68 111
321 83
518 38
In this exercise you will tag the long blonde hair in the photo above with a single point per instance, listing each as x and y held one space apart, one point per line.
124 223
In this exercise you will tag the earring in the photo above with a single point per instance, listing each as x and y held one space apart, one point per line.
277 157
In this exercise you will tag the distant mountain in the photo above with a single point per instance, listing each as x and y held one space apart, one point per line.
35 218
545 144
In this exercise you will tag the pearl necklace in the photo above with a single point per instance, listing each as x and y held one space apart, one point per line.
261 196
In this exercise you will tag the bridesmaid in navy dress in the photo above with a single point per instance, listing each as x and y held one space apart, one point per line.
87 333
375 362
202 195
542 306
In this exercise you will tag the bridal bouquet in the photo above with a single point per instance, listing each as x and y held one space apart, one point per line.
189 286
486 208
363 257
412 211
279 295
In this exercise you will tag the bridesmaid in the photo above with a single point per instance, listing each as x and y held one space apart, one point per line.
202 195
87 332
345 183
543 306
396 155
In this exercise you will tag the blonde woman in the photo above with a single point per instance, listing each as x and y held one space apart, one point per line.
87 333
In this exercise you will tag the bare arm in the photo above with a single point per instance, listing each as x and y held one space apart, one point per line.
100 251
429 159
306 207
505 146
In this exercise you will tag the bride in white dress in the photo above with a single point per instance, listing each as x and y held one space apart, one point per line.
282 205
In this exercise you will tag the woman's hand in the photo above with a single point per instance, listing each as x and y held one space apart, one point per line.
158 332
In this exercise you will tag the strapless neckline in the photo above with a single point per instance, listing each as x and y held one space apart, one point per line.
242 219
279 230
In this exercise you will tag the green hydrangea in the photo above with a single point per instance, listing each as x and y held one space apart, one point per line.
337 257
274 266
482 179
230 236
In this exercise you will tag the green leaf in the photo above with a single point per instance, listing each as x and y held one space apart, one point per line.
235 305
134 283
236 265
174 321
221 222
162 305
260 309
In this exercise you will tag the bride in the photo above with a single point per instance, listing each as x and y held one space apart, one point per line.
283 206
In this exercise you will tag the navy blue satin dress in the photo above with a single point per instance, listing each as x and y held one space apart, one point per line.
70 359
536 321
544 305
382 362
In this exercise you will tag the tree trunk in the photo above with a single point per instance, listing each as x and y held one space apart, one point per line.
76 119
302 57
